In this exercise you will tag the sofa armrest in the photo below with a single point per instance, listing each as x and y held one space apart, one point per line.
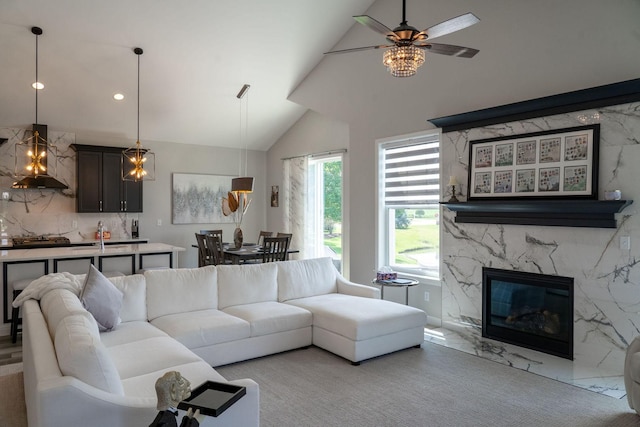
630 385
350 288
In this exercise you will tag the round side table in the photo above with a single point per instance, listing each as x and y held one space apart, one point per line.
396 283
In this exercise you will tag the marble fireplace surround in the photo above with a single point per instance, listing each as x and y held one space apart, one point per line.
606 277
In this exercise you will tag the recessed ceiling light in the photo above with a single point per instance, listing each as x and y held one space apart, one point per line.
37 85
118 97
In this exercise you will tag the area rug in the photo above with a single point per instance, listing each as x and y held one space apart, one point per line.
13 412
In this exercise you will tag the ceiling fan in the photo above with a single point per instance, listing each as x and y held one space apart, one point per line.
406 54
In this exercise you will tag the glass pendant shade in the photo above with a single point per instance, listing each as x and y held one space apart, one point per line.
138 164
34 157
403 61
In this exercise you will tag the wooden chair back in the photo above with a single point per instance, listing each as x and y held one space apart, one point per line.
289 235
275 249
213 232
215 250
262 235
203 253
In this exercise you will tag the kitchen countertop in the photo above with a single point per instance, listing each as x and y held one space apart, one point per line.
6 242
84 251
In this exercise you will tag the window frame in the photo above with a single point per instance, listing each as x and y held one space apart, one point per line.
386 214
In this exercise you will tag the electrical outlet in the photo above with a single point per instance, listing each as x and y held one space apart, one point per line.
159 223
625 242
74 224
426 296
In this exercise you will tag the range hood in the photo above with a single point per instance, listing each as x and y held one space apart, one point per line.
39 181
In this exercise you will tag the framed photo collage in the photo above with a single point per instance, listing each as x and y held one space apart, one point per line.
558 163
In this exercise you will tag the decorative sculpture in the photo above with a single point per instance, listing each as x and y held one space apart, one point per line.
171 388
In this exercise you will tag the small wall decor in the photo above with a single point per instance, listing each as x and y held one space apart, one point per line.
197 198
547 164
275 191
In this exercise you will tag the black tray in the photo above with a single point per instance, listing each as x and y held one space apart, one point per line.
213 398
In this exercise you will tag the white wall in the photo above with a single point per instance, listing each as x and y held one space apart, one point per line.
527 50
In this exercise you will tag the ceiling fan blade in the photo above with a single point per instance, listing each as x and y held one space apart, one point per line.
356 49
447 27
449 49
376 26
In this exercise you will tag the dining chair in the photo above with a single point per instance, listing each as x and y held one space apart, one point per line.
262 235
214 232
289 236
203 253
275 249
214 248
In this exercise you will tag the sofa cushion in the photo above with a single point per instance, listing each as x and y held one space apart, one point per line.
271 317
149 355
203 328
360 318
171 291
102 299
143 386
81 354
246 284
306 278
134 300
127 332
58 304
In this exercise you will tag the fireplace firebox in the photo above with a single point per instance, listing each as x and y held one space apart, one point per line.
527 309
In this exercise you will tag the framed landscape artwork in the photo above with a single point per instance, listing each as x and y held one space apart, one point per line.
197 199
547 164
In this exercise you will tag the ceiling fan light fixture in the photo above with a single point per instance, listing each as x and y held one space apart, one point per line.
403 61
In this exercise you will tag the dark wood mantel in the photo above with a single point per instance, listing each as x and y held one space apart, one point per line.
567 213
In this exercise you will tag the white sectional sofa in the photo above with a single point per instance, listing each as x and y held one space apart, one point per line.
190 320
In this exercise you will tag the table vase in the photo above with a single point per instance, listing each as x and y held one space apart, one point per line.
237 238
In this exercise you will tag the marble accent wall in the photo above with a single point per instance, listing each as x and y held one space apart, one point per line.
47 211
607 278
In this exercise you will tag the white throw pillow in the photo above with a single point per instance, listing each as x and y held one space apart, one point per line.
82 355
102 299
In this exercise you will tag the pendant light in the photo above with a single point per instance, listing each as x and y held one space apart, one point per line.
138 163
243 184
35 158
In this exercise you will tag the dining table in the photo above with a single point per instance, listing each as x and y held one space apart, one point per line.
248 252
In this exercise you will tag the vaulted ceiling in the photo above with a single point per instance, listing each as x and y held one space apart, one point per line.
197 55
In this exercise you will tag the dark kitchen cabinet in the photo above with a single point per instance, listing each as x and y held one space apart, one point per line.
100 185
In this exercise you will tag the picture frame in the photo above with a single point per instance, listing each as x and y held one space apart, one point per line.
197 198
545 165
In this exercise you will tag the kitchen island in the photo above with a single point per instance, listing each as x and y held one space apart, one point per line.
20 264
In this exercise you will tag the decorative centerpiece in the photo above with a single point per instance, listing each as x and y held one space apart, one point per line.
236 204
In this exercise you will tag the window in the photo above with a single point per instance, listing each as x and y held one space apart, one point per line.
409 192
324 208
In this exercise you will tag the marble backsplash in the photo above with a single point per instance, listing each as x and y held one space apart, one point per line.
606 277
51 212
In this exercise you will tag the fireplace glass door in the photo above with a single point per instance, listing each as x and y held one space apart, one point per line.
530 310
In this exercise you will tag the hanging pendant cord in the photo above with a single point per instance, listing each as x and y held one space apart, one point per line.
138 133
36 79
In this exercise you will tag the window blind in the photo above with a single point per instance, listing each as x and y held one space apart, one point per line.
412 172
